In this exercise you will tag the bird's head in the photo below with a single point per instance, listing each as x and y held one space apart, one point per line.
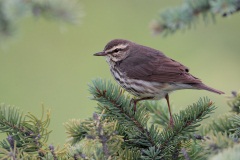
116 50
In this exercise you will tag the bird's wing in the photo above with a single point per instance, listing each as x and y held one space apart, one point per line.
156 67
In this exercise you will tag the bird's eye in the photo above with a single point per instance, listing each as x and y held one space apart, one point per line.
116 50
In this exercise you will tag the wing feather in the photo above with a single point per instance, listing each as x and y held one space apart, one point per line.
152 65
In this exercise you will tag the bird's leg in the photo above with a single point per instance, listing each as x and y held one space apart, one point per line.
169 109
134 101
135 105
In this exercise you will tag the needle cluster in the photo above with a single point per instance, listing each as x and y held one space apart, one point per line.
11 11
187 15
115 131
153 141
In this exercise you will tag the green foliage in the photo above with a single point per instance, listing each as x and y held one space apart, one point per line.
159 113
215 142
236 125
126 154
192 150
99 138
25 133
28 131
220 124
221 134
11 11
187 15
228 123
117 132
234 102
78 129
119 107
231 153
134 128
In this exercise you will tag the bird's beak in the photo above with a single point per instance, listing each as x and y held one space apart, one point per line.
100 54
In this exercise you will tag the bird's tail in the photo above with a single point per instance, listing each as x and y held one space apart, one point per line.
205 87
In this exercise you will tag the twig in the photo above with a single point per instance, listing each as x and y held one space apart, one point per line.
185 154
103 138
51 148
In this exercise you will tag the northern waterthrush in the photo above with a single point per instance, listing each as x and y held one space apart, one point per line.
147 73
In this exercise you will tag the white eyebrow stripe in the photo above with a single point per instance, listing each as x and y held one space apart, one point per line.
121 46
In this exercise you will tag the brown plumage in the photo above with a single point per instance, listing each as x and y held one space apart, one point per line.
147 73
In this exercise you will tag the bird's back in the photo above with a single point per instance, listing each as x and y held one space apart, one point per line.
152 65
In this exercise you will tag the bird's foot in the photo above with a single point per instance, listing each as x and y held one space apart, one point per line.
171 122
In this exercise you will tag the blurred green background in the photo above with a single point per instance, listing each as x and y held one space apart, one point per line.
53 65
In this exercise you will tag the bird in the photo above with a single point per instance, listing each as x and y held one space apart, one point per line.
147 73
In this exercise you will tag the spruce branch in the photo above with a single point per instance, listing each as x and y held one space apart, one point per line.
28 132
185 154
231 153
52 150
167 143
78 129
221 124
12 11
76 152
236 125
217 142
186 122
186 16
234 102
159 113
193 151
10 119
171 139
127 153
100 138
116 133
227 123
61 10
119 107
152 153
9 154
